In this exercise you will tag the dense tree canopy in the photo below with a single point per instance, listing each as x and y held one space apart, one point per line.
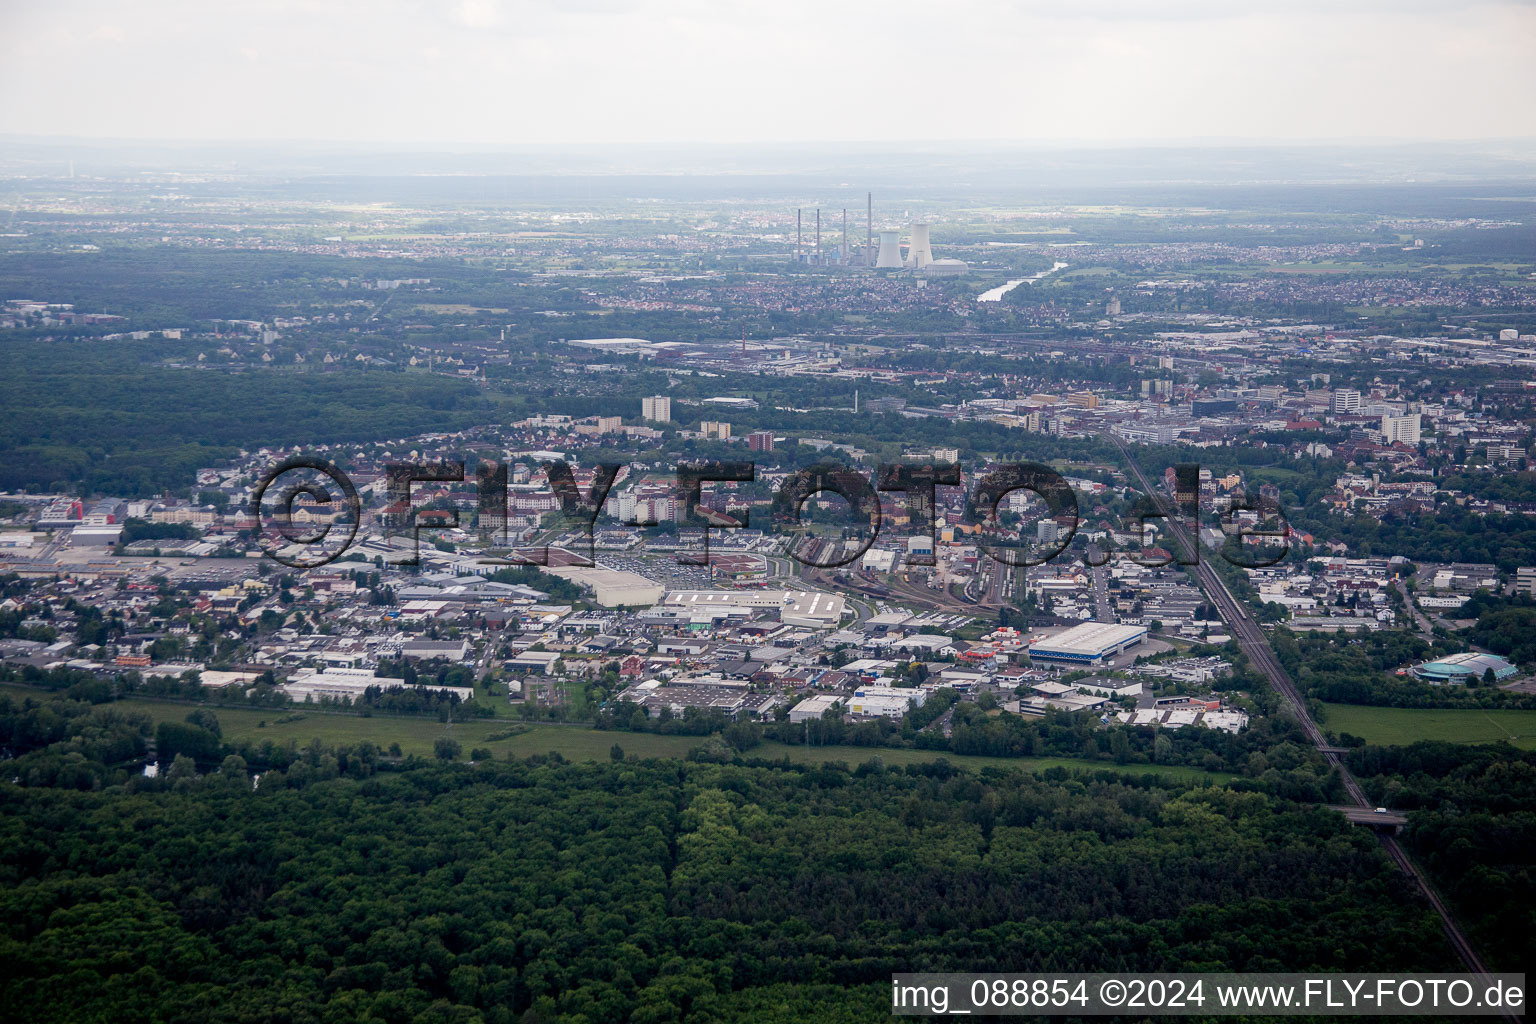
654 891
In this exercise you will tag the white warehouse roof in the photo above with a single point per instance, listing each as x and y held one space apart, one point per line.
1091 641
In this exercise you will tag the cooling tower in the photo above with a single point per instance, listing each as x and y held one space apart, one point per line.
890 251
918 253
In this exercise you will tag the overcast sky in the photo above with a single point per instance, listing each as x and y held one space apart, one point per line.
602 71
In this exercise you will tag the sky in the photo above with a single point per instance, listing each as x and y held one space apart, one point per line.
516 72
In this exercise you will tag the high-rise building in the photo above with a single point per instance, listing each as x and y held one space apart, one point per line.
715 429
1345 400
657 409
760 441
1404 429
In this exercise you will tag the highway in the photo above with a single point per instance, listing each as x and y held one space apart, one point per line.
1255 645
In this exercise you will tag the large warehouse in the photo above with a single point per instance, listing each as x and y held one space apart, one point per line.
1088 644
612 588
1458 668
795 607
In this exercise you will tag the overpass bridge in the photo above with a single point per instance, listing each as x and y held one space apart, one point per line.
1380 819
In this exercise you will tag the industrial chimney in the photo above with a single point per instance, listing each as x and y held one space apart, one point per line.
918 253
890 251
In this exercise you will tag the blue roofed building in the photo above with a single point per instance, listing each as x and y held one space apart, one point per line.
1459 668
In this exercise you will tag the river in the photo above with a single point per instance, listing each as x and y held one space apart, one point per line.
996 294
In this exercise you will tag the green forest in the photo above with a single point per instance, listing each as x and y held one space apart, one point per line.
342 883
654 891
104 420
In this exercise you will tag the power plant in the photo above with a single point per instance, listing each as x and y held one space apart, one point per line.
888 256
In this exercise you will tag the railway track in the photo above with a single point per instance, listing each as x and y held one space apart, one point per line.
1250 637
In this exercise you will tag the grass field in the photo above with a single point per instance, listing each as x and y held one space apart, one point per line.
574 742
1401 726
896 757
453 307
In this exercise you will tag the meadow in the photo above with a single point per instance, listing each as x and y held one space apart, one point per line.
573 742
1401 726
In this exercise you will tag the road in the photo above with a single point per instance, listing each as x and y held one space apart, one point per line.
1102 609
1426 628
1255 645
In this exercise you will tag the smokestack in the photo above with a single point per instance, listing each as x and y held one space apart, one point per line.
818 234
797 234
869 224
844 253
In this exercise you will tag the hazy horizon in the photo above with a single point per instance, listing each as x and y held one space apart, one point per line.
934 169
639 71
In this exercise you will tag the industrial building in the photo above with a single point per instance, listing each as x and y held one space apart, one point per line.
795 607
625 346
1092 643
453 650
349 684
888 707
540 662
911 695
878 560
946 268
655 698
1202 407
99 536
812 708
1460 668
1105 686
612 588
